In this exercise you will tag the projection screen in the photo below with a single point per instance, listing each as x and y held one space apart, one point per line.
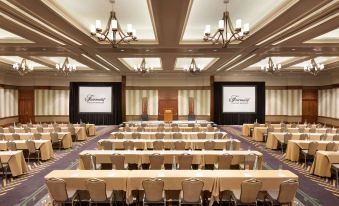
239 99
95 99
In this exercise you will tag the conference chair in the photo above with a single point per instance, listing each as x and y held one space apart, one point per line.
153 191
225 161
118 161
201 135
97 192
159 135
287 137
119 135
218 135
308 154
11 130
4 166
128 145
195 129
337 132
55 139
89 162
106 145
191 192
136 135
174 125
323 137
185 161
2 136
40 129
156 161
179 145
15 136
293 125
177 135
301 130
303 136
269 129
250 162
127 129
209 145
27 129
32 150
191 125
312 130
336 137
328 130
11 146
140 129
331 146
175 129
44 125
59 193
74 135
254 126
248 193
37 136
285 195
210 129
161 129
2 130
158 145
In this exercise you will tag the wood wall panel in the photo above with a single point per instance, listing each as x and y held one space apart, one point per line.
168 99
26 105
309 105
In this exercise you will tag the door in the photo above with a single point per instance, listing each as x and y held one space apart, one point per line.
26 105
310 105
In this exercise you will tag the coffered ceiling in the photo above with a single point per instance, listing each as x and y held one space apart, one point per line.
169 34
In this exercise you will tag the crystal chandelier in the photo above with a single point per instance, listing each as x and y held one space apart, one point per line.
226 32
271 67
143 68
23 68
314 68
193 68
66 68
113 33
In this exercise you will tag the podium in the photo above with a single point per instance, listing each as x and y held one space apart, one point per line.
168 115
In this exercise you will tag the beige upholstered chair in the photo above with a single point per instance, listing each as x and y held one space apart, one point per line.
323 136
158 145
337 131
209 145
191 125
201 135
11 146
59 193
27 129
293 125
269 129
312 130
156 161
128 145
328 130
179 145
11 130
118 161
161 129
32 150
4 165
177 135
225 161
175 129
185 161
153 192
106 145
143 125
210 129
55 139
89 161
301 130
159 135
309 153
248 193
140 129
40 129
331 146
218 135
15 136
2 130
127 129
97 191
303 136
286 193
119 135
174 125
44 125
249 161
191 192
74 135
37 136
195 129
2 136
136 135
287 137
336 137
57 129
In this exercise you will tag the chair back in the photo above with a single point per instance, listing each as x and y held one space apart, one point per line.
11 146
209 145
37 136
158 145
54 137
159 135
270 129
312 130
179 145
191 125
328 130
224 161
2 136
71 130
30 146
143 125
136 135
128 145
15 136
40 129
287 136
161 129
331 146
303 136
177 135
106 145
175 129
140 129
218 135
301 130
287 191
195 129
256 124
89 161
27 129
44 125
191 190
323 136
210 129
336 137
337 131
250 161
153 189
174 125
119 135
312 148
156 161
293 125
127 129
118 161
185 161
2 130
11 130
57 129
57 189
249 191
96 189
201 135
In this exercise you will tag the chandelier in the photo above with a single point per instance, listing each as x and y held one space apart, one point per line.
66 68
113 33
143 68
193 68
314 68
226 32
23 68
271 67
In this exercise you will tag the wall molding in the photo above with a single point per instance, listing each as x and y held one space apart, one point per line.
160 87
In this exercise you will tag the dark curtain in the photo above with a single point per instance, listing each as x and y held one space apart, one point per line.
239 118
113 118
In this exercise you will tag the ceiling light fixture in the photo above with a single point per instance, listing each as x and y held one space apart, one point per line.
66 68
193 68
226 32
314 68
143 68
113 32
270 67
23 68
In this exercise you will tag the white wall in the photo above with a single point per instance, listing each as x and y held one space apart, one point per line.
283 102
134 101
328 103
202 101
51 102
8 102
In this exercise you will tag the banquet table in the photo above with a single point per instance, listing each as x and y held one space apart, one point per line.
45 146
194 144
142 157
169 129
274 138
294 146
168 135
65 136
16 162
322 163
215 181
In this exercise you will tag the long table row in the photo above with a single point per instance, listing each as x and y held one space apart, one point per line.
167 135
169 129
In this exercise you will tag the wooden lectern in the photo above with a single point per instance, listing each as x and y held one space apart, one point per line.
168 115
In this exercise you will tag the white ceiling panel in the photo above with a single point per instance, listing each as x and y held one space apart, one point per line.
132 62
202 63
8 37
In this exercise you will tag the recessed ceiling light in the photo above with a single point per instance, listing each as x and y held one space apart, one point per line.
147 50
190 50
122 50
293 49
44 49
215 50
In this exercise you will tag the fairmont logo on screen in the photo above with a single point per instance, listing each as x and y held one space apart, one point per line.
235 99
91 99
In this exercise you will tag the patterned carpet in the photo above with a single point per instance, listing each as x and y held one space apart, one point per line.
30 189
313 190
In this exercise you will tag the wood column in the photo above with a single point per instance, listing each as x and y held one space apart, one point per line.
26 104
310 105
212 98
123 101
